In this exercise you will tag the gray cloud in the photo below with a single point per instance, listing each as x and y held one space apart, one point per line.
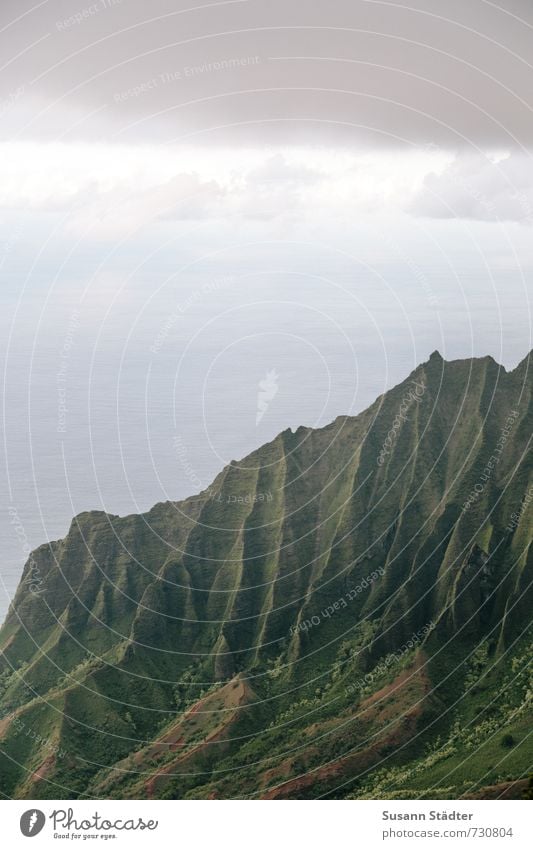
474 187
255 71
119 211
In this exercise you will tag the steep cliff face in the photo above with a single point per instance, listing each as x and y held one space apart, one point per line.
316 616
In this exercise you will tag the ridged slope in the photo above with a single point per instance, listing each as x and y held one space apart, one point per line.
403 511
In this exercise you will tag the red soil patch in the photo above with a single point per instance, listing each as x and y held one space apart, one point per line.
43 771
347 766
505 790
377 707
414 673
232 697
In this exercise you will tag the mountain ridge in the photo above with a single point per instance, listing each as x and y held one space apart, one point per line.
435 355
132 620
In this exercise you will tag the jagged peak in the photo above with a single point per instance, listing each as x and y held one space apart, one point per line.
89 516
436 358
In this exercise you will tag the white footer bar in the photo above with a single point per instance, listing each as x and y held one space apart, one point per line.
262 824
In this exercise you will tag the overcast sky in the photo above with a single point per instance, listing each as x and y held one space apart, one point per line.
368 126
449 81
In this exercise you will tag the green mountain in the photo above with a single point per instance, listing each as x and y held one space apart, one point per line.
344 613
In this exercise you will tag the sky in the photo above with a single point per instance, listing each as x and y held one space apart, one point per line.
125 114
118 115
194 196
376 72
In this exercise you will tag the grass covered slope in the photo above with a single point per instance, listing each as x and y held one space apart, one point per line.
345 612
